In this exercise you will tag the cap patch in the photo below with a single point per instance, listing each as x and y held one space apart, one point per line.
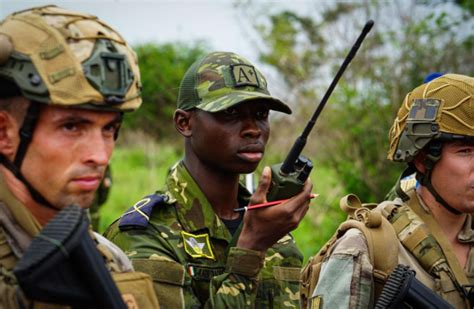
244 75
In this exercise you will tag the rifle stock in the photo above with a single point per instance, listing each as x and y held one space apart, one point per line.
403 290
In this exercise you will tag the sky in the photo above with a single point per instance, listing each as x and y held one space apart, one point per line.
215 21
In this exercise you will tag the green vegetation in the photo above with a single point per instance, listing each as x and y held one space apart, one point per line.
349 143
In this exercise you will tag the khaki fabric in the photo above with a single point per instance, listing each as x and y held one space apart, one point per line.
347 276
58 41
453 115
136 288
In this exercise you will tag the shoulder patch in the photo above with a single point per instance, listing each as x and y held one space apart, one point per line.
138 215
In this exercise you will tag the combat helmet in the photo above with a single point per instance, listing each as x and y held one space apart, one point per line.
64 58
433 113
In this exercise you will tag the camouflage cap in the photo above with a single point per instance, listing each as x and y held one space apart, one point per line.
220 80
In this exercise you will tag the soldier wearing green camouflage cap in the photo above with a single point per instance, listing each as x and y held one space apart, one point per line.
66 78
429 228
200 252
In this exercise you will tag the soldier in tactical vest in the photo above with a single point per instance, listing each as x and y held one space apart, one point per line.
199 252
429 228
65 80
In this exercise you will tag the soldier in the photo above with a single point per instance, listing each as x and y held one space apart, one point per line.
65 80
431 223
199 252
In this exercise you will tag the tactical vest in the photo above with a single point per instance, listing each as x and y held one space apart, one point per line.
136 288
383 226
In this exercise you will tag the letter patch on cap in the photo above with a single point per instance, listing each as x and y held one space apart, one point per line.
197 246
244 75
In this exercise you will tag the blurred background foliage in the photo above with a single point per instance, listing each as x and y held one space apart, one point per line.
300 54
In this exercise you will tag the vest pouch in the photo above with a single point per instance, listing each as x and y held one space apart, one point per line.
136 289
168 280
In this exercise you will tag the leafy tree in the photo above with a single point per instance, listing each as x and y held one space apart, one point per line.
162 67
410 39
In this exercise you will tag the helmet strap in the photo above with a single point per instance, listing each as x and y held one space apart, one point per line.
434 154
38 197
26 134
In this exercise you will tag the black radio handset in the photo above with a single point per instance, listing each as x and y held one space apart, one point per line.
289 177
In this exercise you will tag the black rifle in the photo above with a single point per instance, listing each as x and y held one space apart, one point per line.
289 177
403 290
62 266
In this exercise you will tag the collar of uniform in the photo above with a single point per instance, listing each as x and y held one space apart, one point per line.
194 211
465 235
20 213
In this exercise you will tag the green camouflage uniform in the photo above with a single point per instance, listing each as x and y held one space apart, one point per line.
346 279
191 257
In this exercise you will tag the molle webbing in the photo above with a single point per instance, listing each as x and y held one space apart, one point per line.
417 240
442 243
416 232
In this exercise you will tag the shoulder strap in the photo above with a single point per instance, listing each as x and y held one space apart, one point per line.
380 237
138 216
382 241
443 242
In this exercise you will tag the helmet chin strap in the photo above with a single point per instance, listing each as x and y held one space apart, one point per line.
26 134
434 154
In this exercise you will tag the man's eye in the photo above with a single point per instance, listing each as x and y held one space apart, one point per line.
70 126
263 114
230 111
466 150
111 129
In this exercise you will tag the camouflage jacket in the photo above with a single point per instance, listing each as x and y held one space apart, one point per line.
190 255
346 279
18 227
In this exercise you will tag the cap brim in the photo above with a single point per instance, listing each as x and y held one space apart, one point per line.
235 98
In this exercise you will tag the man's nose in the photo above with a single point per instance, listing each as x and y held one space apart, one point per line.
99 149
250 128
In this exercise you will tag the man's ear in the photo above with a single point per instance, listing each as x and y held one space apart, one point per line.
8 134
419 162
183 122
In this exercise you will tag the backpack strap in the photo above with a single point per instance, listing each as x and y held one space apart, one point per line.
381 238
382 243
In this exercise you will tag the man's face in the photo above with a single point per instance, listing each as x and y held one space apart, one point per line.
453 176
68 154
232 140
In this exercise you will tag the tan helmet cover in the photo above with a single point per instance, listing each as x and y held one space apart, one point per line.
443 105
58 42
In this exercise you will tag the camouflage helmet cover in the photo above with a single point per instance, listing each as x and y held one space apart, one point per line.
443 107
220 80
61 57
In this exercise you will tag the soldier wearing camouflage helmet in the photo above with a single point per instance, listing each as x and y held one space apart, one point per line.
65 80
200 252
431 223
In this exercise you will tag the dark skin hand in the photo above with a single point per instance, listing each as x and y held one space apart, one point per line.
265 226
